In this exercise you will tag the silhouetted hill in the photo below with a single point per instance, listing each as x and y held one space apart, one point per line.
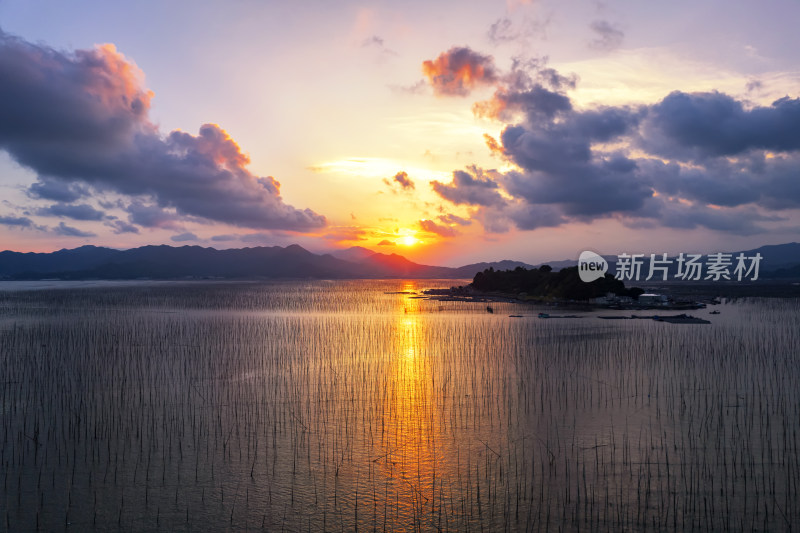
777 261
62 260
168 262
354 254
545 283
468 271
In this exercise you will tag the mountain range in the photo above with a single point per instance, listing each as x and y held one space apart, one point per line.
168 262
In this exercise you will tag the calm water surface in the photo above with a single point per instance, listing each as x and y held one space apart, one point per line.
339 406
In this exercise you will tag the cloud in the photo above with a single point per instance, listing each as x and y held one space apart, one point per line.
534 102
372 41
75 212
673 213
184 237
700 125
432 227
608 37
68 231
57 190
502 30
22 222
346 233
81 120
459 70
527 216
691 160
404 181
151 216
454 219
531 89
119 227
376 42
472 186
754 85
224 238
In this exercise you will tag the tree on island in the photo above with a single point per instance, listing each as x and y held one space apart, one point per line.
544 283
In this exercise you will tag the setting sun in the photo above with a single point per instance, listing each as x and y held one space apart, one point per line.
407 240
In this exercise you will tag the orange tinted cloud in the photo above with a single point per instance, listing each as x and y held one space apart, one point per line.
432 227
114 79
459 70
81 122
494 146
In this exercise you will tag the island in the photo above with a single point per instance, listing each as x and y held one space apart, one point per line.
563 288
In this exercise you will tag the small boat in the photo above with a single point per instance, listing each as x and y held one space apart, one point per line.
489 309
714 312
544 315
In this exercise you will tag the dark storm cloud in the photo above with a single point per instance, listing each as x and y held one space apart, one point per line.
530 88
151 216
699 125
671 213
119 227
22 222
57 190
459 70
527 216
690 160
75 212
537 102
607 36
68 231
769 182
472 187
81 119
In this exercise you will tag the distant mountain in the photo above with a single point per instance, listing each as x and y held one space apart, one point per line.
62 260
777 261
776 256
167 262
354 254
469 271
792 272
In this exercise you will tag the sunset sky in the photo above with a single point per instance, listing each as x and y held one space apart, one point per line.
448 132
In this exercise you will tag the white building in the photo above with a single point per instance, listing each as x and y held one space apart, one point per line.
653 299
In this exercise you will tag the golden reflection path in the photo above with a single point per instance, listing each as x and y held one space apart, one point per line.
415 460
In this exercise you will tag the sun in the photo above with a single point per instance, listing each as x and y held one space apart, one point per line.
407 240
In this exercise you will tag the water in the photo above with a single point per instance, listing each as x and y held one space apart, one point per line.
336 406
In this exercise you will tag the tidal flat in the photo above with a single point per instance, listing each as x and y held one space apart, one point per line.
336 406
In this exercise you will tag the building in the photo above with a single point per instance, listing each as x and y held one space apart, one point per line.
653 299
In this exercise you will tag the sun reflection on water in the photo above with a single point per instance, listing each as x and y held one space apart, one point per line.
411 440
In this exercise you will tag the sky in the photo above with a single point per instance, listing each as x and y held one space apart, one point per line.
447 132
